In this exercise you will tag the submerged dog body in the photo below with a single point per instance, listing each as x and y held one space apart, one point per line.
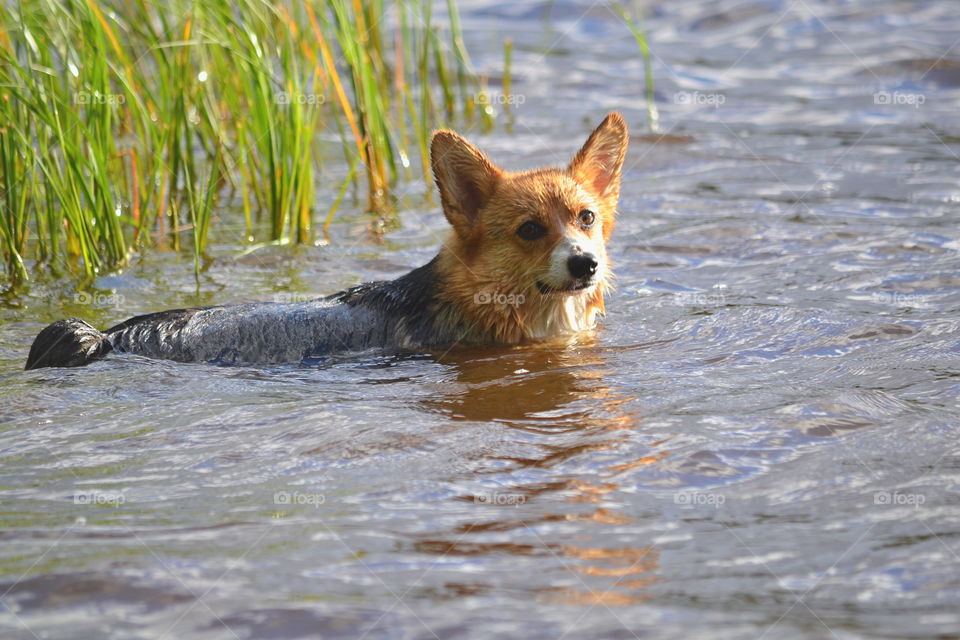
526 260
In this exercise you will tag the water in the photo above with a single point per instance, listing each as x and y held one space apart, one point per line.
760 443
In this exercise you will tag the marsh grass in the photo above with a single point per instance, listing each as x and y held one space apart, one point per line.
123 125
640 35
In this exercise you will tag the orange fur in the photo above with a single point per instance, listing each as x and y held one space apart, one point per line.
486 258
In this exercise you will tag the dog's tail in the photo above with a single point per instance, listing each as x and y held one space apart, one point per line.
68 343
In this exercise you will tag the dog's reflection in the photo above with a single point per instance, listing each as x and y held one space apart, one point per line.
550 486
546 386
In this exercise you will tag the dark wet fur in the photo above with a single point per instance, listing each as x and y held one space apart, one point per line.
67 343
396 315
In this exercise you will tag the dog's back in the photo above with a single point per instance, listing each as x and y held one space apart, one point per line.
258 332
399 314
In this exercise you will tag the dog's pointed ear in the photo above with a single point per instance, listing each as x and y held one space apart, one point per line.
465 177
597 165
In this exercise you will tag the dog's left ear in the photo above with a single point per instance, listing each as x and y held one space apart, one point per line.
597 165
465 177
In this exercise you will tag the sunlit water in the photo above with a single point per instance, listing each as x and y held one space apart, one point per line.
762 440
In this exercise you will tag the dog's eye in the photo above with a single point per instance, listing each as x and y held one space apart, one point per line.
531 230
587 217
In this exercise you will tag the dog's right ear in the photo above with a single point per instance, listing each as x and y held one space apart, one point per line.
465 177
599 162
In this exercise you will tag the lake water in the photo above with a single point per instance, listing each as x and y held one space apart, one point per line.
761 441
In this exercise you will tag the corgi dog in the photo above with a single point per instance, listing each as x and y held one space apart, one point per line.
526 260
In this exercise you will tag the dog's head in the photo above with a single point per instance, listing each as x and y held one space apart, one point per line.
535 240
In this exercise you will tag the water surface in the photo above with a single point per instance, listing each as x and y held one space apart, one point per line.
761 441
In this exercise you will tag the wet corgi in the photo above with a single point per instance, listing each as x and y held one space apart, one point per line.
526 260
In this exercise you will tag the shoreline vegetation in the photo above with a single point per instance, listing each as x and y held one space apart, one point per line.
129 125
123 123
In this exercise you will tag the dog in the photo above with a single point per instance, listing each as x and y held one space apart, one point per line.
526 261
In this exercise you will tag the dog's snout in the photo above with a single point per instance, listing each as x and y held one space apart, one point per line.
582 265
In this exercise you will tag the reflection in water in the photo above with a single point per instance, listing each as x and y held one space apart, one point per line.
630 571
554 408
546 388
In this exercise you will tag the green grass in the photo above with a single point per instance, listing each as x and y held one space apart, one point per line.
126 124
640 35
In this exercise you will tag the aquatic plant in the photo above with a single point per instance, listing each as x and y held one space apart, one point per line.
131 124
640 35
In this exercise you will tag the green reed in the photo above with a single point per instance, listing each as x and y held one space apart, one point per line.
133 124
640 35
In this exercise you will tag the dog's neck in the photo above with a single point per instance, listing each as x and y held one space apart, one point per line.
443 302
501 311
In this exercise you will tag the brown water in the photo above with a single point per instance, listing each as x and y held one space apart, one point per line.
762 442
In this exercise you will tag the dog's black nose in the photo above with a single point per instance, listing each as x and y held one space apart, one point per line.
582 265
